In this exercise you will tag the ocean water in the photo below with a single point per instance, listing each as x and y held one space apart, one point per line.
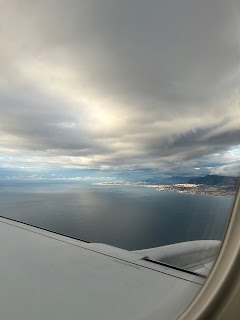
123 216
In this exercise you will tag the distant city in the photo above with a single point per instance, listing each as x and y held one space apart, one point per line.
209 185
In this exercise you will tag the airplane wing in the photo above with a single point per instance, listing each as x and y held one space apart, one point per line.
44 275
196 256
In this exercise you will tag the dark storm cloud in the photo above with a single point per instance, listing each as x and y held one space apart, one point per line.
128 84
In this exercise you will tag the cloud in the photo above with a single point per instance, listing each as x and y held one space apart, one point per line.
120 84
227 170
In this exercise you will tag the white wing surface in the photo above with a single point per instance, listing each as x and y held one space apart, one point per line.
44 275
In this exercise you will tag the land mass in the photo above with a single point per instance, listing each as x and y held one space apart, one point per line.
214 180
209 185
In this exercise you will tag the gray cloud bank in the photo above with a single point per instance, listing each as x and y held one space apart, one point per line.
121 84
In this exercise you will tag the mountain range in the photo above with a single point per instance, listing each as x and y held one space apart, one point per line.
214 180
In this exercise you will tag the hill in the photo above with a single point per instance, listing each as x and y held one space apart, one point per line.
214 180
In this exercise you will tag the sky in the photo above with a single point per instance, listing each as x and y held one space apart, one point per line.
99 87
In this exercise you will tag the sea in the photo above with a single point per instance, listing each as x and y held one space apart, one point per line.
128 217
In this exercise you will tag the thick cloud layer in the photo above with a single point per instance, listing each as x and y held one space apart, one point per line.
108 84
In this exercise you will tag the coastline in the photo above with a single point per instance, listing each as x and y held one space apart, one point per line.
187 188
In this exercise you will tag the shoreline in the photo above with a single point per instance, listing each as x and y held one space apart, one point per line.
193 189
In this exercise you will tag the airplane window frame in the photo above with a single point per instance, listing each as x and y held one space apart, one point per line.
220 295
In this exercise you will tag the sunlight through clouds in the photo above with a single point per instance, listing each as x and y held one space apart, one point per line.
125 86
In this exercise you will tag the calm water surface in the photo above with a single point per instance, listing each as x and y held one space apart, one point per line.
123 216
